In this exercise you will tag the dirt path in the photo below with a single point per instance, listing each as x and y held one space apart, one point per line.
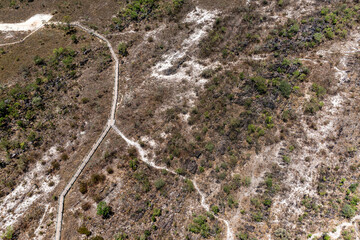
33 25
111 122
144 158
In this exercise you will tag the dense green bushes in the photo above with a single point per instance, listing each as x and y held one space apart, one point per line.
103 209
200 226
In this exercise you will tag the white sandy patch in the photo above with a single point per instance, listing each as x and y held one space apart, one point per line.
345 49
115 191
184 117
35 185
203 19
154 33
148 140
38 236
9 35
31 24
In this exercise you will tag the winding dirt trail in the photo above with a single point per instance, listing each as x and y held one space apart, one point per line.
143 157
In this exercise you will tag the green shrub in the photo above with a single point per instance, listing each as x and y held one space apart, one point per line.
123 49
353 187
180 171
133 164
83 188
83 230
318 37
285 88
257 217
159 184
189 185
260 84
249 139
209 146
8 233
215 209
38 60
156 213
251 128
97 238
319 90
243 236
84 100
313 106
121 236
286 159
246 181
267 202
227 189
103 209
269 182
200 226
348 211
329 33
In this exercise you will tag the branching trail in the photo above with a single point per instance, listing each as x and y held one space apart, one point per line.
107 127
143 157
33 24
111 124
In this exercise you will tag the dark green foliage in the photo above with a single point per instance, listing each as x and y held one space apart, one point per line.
189 185
123 49
103 209
209 146
353 187
142 178
121 236
139 10
269 182
285 88
267 202
38 60
97 238
97 178
319 90
312 30
257 216
83 188
83 230
215 209
133 164
313 106
348 211
242 236
260 84
159 184
200 226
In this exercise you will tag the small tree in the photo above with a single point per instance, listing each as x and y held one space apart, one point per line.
123 49
83 230
159 184
121 236
9 233
103 209
348 211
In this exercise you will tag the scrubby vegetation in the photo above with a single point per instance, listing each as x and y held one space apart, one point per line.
141 10
31 109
